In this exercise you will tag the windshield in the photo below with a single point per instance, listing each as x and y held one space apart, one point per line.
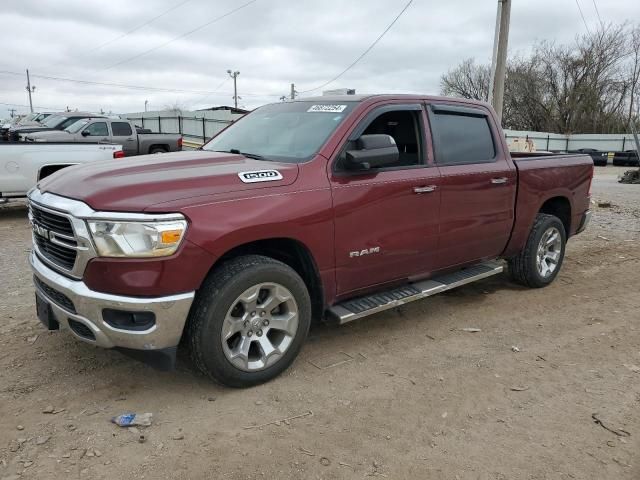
288 132
77 125
53 121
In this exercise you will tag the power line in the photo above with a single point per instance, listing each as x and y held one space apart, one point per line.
207 93
27 106
117 85
129 32
200 100
363 53
583 19
126 60
598 13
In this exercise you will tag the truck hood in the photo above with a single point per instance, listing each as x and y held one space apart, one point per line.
51 135
25 129
137 183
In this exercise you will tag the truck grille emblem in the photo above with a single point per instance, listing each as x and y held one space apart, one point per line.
40 230
260 176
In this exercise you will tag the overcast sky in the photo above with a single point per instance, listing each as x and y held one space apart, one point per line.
271 42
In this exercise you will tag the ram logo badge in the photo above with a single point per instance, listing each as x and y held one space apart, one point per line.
260 176
362 253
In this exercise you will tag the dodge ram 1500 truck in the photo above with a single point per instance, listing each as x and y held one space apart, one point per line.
320 208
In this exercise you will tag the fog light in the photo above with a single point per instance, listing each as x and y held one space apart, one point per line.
134 321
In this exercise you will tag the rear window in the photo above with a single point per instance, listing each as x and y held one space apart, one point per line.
121 129
461 139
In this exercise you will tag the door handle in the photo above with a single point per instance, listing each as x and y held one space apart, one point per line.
129 139
499 181
427 189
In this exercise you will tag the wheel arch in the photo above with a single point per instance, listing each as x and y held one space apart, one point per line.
163 146
559 206
45 170
291 252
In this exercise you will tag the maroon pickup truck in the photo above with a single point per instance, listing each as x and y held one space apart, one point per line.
328 208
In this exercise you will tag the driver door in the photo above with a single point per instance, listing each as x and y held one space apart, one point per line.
95 132
386 218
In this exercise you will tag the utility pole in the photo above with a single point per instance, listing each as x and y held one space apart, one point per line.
12 112
499 60
234 75
30 89
293 91
146 104
283 98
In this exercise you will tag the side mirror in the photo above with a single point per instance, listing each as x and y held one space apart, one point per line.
373 151
85 133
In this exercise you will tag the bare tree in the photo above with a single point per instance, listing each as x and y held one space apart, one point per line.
467 80
590 86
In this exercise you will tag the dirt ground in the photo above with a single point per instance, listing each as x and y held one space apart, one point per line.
404 394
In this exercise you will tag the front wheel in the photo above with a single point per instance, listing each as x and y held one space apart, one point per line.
539 262
250 320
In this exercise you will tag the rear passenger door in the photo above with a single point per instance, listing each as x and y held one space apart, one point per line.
124 135
478 185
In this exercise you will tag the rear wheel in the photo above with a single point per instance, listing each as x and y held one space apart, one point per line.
155 150
249 322
539 262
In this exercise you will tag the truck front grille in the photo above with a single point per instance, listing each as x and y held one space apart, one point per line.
49 225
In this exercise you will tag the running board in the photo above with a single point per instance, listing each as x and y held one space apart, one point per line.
363 306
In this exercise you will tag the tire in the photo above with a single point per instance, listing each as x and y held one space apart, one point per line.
221 305
527 268
155 150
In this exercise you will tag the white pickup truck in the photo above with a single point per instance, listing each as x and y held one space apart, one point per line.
23 165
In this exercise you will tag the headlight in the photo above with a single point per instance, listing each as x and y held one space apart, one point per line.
137 239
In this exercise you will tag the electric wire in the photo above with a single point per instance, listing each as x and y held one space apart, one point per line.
362 55
183 35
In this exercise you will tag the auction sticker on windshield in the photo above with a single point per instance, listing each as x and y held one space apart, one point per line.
327 108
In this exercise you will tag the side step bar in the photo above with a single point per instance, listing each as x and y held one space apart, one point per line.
363 306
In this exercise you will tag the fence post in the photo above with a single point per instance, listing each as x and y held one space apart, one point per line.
566 148
159 124
624 141
180 124
204 131
548 138
143 122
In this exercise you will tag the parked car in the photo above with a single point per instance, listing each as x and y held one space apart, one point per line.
626 158
22 166
110 130
599 157
4 128
58 121
330 208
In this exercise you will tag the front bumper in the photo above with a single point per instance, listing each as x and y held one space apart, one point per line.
87 306
586 218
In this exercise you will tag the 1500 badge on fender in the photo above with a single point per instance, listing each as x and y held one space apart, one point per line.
260 176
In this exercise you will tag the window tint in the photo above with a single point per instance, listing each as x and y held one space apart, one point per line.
120 129
461 139
98 129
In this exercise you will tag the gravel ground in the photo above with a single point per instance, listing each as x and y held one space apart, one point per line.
404 394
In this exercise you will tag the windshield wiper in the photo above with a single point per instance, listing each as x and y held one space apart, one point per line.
235 151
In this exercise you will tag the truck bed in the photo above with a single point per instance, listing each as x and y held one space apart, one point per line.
543 178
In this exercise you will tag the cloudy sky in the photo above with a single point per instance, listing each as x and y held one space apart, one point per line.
147 43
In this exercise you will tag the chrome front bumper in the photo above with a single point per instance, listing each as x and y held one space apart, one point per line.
170 312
